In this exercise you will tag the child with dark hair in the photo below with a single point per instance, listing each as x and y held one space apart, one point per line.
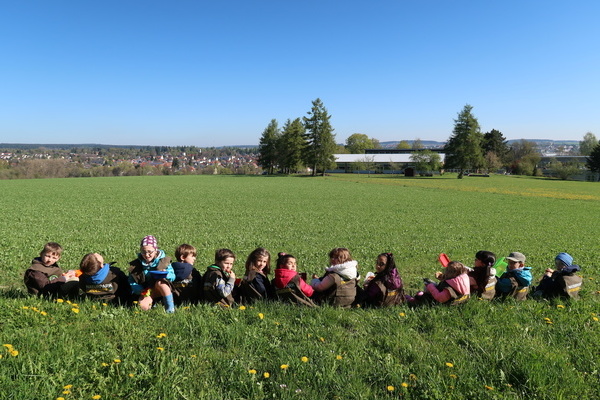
562 281
102 281
385 287
151 274
454 285
186 286
289 286
255 284
45 278
219 279
482 277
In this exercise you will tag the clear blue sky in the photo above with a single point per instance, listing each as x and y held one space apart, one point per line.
213 73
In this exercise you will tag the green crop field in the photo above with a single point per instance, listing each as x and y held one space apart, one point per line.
482 350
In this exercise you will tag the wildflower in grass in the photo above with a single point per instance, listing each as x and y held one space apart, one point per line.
412 377
60 398
322 339
59 300
266 375
338 357
252 371
66 392
14 353
404 384
67 387
116 361
160 349
283 386
284 366
131 375
489 387
402 314
25 308
242 308
453 376
390 388
75 304
193 356
560 306
104 304
44 313
8 346
261 315
104 364
449 365
595 319
75 310
304 359
96 397
0 355
161 335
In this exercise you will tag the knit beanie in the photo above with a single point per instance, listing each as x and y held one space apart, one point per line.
565 258
149 241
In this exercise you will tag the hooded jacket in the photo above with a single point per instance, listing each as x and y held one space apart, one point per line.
460 284
283 277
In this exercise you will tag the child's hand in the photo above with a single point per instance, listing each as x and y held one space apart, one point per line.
438 275
314 276
70 275
549 272
232 274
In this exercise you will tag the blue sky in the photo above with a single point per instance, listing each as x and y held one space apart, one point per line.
214 73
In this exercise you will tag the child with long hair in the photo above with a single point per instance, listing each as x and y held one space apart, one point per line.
385 288
339 285
219 279
255 284
454 285
288 284
151 274
482 277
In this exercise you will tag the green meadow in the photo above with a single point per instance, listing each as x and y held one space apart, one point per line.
482 350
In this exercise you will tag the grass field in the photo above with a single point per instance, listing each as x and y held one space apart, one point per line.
482 350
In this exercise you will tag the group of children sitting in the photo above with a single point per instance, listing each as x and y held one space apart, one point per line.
153 277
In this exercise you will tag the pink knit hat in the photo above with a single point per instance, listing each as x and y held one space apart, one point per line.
149 241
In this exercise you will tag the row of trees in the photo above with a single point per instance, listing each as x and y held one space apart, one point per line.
302 143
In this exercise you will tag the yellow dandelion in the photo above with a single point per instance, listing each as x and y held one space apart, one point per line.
261 315
404 384
549 322
75 304
489 387
242 308
25 308
449 365
284 366
131 375
560 306
402 314
44 313
67 387
68 302
193 356
160 349
96 397
252 371
60 398
304 359
338 357
104 364
595 319
116 361
267 375
390 388
161 335
135 302
412 377
66 392
104 304
14 353
8 346
0 355
75 310
322 339
59 300
453 376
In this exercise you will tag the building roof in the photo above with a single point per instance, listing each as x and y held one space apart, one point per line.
376 158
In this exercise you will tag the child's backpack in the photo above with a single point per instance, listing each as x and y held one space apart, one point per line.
291 293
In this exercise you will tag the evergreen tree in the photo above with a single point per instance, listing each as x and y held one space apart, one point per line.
463 150
320 140
593 161
290 146
267 148
494 142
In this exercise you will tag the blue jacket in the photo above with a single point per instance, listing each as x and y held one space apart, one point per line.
522 276
136 285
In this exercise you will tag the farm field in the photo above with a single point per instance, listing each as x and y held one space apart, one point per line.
481 350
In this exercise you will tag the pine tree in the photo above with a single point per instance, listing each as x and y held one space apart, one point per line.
290 146
463 150
320 140
267 148
593 161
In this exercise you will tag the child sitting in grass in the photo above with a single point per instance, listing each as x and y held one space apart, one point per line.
219 279
454 285
516 281
289 286
45 278
482 277
560 282
187 283
255 284
151 274
102 281
338 286
385 287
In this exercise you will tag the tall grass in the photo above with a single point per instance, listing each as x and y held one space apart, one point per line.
545 350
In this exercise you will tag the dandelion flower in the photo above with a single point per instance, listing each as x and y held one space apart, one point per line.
304 359
404 384
453 376
595 319
284 366
193 356
25 308
60 398
59 300
104 364
67 387
390 388
412 377
489 387
261 315
14 353
338 357
322 339
75 310
116 361
242 308
402 314
252 371
266 375
8 346
66 392
131 375
449 365
560 306
160 348
96 397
